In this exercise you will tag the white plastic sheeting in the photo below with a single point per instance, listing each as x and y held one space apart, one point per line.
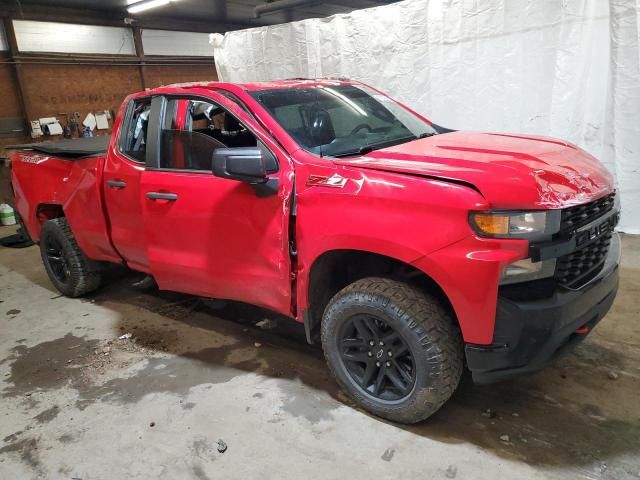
567 69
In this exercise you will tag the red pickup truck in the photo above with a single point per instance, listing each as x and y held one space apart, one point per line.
412 250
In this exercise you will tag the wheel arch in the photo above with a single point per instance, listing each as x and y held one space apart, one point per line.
43 212
333 270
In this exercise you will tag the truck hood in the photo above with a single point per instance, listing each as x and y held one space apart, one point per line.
510 171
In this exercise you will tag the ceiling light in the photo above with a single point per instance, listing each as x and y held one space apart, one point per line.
147 4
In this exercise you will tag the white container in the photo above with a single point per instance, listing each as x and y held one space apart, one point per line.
7 217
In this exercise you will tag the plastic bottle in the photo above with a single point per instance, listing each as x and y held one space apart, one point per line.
7 217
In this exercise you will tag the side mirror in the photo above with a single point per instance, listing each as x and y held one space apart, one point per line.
242 164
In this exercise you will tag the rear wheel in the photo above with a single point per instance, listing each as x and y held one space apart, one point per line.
68 268
394 349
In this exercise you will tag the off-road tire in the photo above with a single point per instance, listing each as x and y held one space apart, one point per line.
83 276
427 328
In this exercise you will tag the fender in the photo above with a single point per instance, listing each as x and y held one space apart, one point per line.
395 215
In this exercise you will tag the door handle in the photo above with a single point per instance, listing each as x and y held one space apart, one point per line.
172 197
116 184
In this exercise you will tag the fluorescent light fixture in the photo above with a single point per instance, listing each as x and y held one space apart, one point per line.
147 4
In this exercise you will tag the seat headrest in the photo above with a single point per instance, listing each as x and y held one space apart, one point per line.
231 124
321 128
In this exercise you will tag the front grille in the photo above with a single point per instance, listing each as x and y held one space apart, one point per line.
577 268
580 215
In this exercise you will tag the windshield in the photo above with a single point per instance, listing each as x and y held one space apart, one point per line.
342 120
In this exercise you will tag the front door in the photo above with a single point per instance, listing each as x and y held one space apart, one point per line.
207 235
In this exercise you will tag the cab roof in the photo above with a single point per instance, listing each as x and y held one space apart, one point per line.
270 85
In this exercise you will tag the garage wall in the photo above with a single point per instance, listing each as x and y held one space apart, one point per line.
54 89
9 105
156 76
68 68
567 69
166 42
71 38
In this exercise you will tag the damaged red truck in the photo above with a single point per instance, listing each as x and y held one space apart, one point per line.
412 251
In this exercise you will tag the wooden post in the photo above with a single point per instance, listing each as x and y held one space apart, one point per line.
17 69
137 41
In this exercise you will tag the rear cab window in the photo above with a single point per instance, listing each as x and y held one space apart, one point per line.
133 135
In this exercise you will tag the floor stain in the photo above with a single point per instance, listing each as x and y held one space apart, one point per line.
181 373
178 375
545 432
296 402
47 415
388 454
199 473
203 449
61 363
47 365
13 311
13 437
27 449
66 438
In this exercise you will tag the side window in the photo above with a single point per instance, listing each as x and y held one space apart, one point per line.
134 143
193 129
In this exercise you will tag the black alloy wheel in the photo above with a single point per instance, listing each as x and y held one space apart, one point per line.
55 257
376 358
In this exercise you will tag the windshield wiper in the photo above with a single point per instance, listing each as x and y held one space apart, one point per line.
426 134
376 146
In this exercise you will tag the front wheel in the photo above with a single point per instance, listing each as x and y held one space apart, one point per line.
67 266
395 350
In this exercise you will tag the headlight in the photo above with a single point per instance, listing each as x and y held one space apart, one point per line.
534 225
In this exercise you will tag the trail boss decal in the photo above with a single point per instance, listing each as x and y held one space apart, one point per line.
33 158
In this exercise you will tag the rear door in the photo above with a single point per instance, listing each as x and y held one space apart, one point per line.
122 173
207 235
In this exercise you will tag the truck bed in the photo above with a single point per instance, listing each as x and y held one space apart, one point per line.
69 148
51 178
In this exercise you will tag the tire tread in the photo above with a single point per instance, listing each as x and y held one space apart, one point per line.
83 278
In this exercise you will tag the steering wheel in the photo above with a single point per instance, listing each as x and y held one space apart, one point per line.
360 127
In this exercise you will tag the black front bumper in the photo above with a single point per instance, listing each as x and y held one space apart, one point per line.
529 335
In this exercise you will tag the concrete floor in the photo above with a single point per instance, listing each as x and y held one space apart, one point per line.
80 403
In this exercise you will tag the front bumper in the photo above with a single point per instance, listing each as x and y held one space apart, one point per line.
529 335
